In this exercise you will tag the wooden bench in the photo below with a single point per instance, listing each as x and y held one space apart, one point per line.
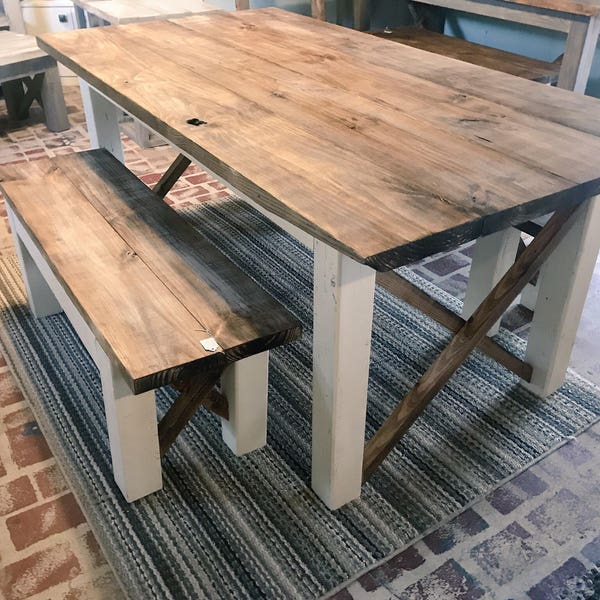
484 56
153 302
27 74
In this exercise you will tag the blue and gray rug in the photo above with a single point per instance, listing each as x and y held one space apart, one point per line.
226 527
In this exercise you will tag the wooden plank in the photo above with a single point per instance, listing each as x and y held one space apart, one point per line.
119 12
229 305
406 102
171 175
469 336
575 7
508 11
477 54
408 292
135 318
20 56
159 334
193 393
428 180
470 81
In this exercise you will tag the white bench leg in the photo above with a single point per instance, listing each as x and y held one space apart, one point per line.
132 432
343 314
494 255
245 385
102 118
562 289
42 300
53 99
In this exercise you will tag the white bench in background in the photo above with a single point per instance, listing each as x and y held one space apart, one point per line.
27 74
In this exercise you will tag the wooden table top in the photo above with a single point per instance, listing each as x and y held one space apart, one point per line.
133 11
588 8
385 152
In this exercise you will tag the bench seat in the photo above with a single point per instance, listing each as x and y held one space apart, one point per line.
477 54
153 301
28 73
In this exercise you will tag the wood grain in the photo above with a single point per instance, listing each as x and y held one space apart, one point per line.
149 286
588 8
320 104
476 54
118 12
467 338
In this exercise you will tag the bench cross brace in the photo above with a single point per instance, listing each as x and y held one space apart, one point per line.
194 392
22 99
468 337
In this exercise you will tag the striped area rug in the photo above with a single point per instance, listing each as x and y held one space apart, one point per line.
225 527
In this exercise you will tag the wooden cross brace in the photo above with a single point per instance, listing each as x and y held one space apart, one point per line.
22 94
469 334
194 392
171 175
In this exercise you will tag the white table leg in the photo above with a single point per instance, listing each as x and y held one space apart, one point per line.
132 432
42 300
102 118
245 385
563 285
494 255
53 99
579 54
343 313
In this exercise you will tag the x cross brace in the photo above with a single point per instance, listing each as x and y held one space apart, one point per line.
469 335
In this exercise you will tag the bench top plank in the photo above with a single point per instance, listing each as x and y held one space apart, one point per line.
20 56
118 12
149 286
477 54
587 8
296 108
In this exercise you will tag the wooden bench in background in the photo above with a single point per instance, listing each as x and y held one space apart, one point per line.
477 54
27 74
153 302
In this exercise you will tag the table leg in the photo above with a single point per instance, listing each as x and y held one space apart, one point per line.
494 255
102 118
563 285
579 54
343 313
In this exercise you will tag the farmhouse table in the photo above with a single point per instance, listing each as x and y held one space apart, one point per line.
378 154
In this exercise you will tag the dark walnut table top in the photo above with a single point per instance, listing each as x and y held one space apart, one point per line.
387 153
